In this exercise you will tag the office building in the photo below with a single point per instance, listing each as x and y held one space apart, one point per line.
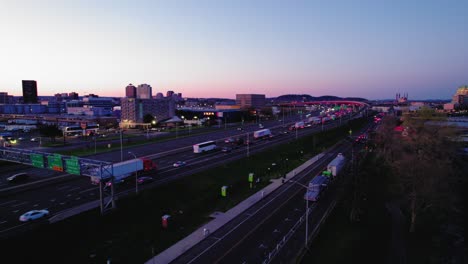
73 96
461 96
29 92
169 93
250 100
130 91
5 98
144 91
134 109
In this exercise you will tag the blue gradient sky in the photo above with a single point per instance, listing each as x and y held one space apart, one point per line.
370 49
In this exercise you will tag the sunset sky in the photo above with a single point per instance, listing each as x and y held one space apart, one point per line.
372 49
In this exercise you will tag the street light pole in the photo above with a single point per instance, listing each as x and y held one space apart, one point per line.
283 116
248 144
136 173
121 146
307 213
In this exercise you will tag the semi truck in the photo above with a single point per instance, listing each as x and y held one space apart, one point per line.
326 119
263 133
316 187
335 166
297 125
315 120
124 169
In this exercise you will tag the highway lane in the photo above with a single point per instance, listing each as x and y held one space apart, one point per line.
154 149
80 191
249 237
255 234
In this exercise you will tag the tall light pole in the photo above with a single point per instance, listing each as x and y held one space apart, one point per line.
121 145
307 213
136 173
283 116
248 145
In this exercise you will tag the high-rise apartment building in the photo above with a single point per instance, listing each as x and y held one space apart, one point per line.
144 91
461 96
134 109
250 100
29 92
73 96
169 93
4 98
130 91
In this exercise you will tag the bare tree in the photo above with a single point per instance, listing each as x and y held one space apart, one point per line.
420 159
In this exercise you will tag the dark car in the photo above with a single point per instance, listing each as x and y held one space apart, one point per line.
144 179
18 177
226 149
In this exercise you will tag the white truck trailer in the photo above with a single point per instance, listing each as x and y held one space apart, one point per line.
315 120
263 133
124 169
336 164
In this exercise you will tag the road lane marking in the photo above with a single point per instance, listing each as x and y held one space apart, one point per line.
12 201
63 187
3 222
74 189
15 205
90 189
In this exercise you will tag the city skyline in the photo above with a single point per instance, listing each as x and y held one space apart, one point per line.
219 49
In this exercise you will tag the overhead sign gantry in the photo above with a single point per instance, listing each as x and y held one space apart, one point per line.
63 163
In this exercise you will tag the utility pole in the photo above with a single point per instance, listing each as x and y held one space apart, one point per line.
136 173
248 145
121 145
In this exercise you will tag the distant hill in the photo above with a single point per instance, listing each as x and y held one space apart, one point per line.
309 98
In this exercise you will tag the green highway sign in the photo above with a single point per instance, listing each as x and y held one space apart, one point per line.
55 162
37 160
72 165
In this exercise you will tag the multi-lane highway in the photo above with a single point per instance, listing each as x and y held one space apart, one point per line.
251 236
78 190
272 230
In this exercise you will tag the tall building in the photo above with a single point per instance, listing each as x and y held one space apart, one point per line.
159 96
130 91
461 96
134 109
4 98
29 92
250 100
73 96
169 93
144 91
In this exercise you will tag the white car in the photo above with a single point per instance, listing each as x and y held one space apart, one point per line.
179 164
33 215
34 139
